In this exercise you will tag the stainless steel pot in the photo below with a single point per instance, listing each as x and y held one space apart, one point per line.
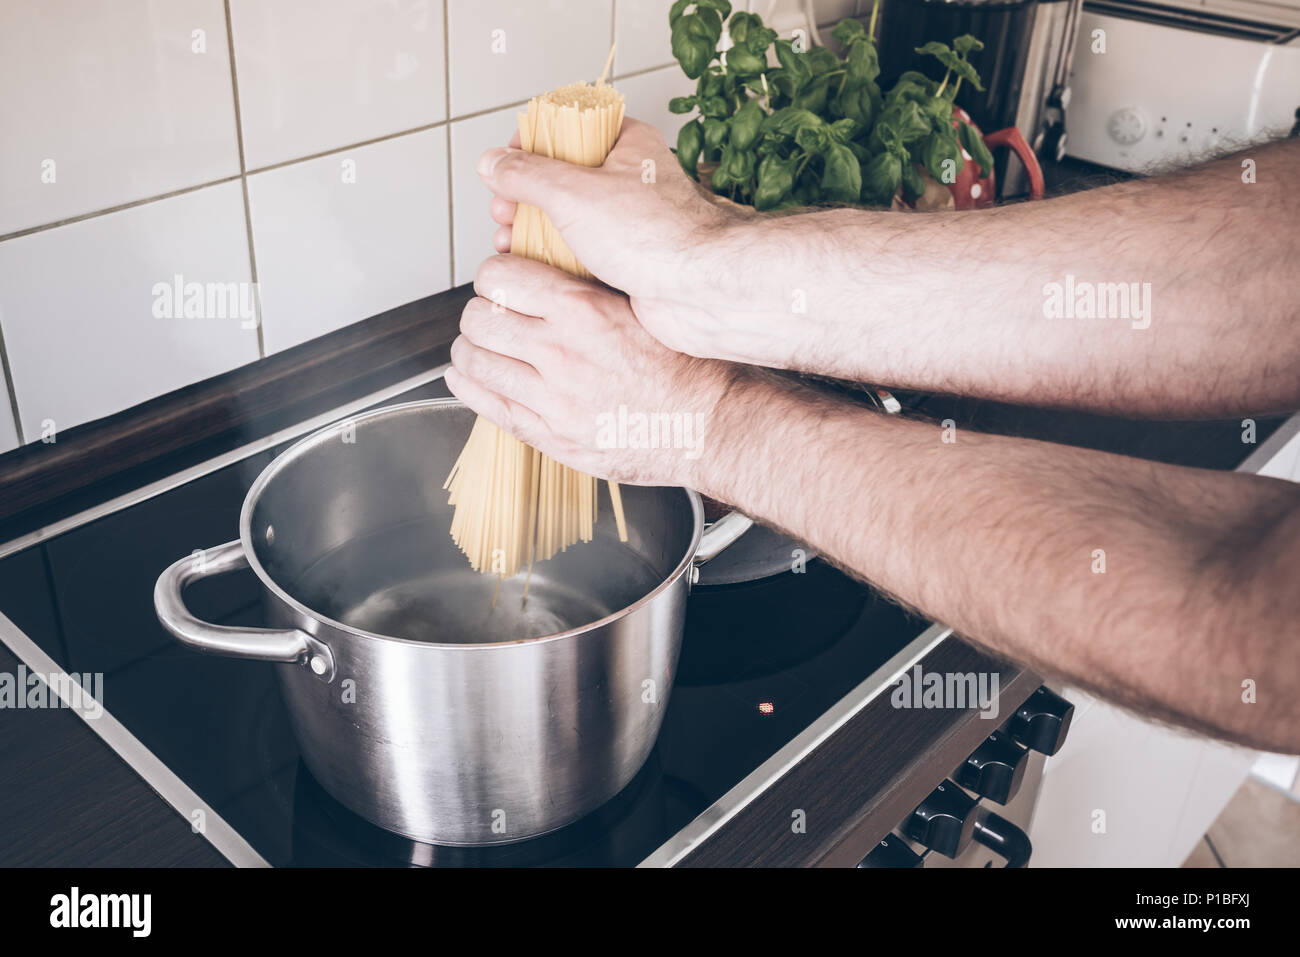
417 702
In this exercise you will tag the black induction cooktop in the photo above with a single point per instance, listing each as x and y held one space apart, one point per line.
760 662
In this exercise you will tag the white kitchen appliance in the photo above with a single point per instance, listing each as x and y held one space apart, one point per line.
1156 87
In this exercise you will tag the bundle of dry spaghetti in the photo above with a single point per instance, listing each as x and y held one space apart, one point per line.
514 505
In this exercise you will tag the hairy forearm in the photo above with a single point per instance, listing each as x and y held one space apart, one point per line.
960 302
1005 539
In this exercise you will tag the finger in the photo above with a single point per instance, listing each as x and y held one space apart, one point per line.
507 377
551 185
498 329
519 421
532 288
502 238
502 210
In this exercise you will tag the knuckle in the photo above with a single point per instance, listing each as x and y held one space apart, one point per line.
492 276
579 299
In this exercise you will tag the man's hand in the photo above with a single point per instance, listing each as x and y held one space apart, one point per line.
957 302
640 224
563 364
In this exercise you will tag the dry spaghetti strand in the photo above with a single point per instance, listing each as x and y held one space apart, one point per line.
513 505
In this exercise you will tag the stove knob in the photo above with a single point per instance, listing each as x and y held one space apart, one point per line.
892 851
1042 722
996 768
943 822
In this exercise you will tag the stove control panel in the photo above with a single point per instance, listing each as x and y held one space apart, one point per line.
944 821
1042 722
953 826
995 769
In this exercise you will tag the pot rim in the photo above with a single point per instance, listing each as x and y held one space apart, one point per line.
303 445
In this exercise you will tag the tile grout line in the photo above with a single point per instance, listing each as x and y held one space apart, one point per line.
243 181
95 214
446 99
9 386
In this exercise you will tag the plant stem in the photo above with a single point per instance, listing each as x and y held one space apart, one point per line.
871 28
946 75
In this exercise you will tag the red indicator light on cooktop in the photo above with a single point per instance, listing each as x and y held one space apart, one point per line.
766 707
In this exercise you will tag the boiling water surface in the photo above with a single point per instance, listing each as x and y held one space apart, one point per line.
412 582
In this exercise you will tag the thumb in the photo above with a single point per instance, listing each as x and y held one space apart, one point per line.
551 185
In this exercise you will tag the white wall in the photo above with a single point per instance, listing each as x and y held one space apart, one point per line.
339 177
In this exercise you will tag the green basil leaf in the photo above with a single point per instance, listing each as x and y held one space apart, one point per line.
841 175
813 96
941 53
710 83
760 39
968 73
739 24
911 122
841 130
880 179
939 110
745 125
821 60
967 44
913 185
846 31
719 181
789 120
715 133
715 106
693 45
737 164
681 104
811 139
690 139
859 103
974 145
862 64
712 22
676 11
795 66
775 181
939 149
742 61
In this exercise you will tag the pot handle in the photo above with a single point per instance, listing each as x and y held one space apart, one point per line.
721 535
263 644
1012 137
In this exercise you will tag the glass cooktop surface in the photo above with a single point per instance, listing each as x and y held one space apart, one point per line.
760 662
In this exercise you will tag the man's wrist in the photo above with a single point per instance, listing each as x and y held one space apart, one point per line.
730 432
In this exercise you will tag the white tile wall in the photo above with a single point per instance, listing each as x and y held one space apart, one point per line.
77 306
832 11
313 77
648 94
473 226
504 51
8 434
123 99
115 96
642 33
331 252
